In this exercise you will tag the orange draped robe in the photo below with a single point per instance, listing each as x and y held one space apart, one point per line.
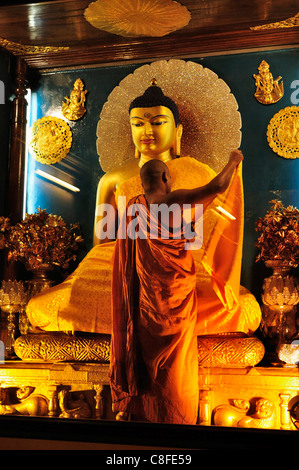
154 364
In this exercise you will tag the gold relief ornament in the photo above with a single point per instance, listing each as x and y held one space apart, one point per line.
16 48
131 18
51 140
237 414
73 108
288 23
268 91
25 402
283 132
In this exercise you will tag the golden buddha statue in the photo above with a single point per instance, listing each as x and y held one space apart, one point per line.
83 301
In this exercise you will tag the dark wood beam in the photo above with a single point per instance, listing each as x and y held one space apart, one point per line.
172 46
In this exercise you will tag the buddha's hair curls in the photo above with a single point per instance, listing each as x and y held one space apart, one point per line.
154 96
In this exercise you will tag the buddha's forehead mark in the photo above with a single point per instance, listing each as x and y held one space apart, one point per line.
147 115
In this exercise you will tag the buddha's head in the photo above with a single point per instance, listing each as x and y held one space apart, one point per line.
156 130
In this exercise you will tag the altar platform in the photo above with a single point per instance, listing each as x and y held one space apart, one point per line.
236 397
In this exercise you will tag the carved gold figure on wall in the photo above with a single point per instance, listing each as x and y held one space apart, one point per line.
283 132
73 108
268 90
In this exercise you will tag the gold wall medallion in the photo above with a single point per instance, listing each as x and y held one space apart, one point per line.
288 23
131 18
268 90
283 132
51 140
73 108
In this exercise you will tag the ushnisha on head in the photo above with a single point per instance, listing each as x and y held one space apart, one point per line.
156 130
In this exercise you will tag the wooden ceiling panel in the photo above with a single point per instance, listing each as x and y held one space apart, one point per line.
215 26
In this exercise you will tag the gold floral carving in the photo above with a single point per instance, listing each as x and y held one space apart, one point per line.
234 350
283 132
268 91
51 140
62 347
288 23
22 49
137 17
73 108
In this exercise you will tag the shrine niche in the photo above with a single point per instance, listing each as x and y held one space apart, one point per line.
75 366
77 386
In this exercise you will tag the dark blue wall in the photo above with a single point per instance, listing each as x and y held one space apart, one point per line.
5 110
266 175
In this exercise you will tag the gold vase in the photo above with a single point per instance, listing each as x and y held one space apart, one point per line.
41 279
39 282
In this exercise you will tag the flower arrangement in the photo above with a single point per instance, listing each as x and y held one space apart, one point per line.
40 239
279 234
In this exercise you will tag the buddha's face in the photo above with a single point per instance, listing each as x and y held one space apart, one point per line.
153 130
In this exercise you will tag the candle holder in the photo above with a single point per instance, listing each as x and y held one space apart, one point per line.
13 298
280 297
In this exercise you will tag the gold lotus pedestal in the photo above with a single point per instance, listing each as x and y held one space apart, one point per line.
66 376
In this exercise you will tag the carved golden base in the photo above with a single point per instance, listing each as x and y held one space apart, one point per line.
225 350
229 350
257 397
55 390
253 397
49 347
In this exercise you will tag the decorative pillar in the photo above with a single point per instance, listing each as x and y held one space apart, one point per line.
285 420
99 403
15 197
204 412
17 157
53 401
